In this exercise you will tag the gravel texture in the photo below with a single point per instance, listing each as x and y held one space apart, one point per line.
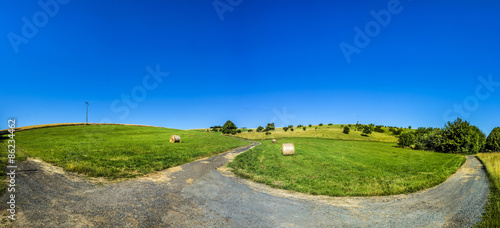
204 193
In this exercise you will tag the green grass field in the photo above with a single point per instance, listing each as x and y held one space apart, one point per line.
118 151
491 162
325 131
345 168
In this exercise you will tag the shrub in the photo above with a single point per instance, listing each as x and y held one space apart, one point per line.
428 139
239 131
330 124
367 130
291 129
379 129
290 126
346 130
228 127
250 130
300 125
285 128
461 137
260 128
270 127
493 140
397 131
310 125
320 124
315 128
406 139
233 132
409 127
268 133
304 128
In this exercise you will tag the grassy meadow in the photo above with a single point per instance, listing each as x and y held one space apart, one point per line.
345 168
491 162
325 131
118 151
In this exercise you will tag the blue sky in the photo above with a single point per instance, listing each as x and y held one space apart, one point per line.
252 62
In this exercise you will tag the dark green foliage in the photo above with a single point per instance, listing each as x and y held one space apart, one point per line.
228 127
379 129
233 132
270 127
346 130
304 128
321 124
290 126
310 125
285 128
397 131
268 133
493 140
409 127
259 129
291 129
250 130
330 124
461 137
367 130
428 138
300 125
406 139
239 131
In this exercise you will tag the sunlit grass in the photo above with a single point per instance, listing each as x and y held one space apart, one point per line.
491 162
345 168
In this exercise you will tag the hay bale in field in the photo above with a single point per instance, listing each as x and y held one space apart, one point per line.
274 141
287 149
175 139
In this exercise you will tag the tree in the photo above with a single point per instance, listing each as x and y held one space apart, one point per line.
250 130
346 130
270 127
228 126
285 128
493 140
310 125
239 131
330 124
268 133
304 128
291 129
259 129
406 139
367 130
290 126
409 127
320 124
461 137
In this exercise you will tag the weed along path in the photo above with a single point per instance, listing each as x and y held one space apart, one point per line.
203 193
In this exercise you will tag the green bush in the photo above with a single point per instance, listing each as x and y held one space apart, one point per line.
268 133
300 125
330 124
493 140
304 128
239 131
250 130
428 139
320 124
228 127
367 130
461 137
291 129
379 129
406 139
346 130
285 128
260 128
270 127
310 125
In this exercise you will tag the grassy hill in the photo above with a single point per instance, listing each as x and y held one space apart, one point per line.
117 151
325 131
345 168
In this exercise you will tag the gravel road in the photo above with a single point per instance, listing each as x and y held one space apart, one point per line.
203 193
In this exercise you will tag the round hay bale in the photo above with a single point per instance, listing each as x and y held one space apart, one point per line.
274 141
175 139
287 149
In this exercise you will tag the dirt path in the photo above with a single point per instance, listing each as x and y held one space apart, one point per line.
201 194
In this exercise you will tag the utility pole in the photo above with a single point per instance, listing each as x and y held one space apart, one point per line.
87 113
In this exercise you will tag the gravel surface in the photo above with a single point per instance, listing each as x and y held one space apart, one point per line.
203 193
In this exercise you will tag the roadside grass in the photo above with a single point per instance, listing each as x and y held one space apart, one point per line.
20 157
491 161
345 168
119 151
325 131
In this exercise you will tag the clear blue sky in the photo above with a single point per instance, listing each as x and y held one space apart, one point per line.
252 62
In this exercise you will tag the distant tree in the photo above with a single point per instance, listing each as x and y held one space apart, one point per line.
320 124
346 130
239 131
291 129
409 127
259 129
285 128
461 137
290 126
367 130
228 126
268 133
315 128
379 129
330 124
233 132
310 125
270 127
406 139
493 140
300 125
304 128
250 130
